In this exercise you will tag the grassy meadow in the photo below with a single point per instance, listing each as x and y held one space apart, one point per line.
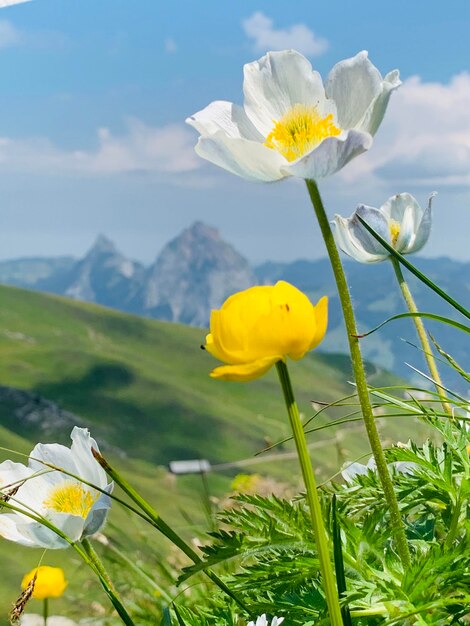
142 387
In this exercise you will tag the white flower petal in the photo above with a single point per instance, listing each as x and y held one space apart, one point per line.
248 159
27 532
225 116
423 231
396 206
329 156
55 454
87 466
406 236
356 241
405 467
377 221
275 83
30 486
375 113
31 495
34 619
350 245
11 529
98 513
12 474
352 470
70 525
353 84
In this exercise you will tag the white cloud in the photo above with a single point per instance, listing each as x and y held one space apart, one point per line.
424 139
145 149
8 3
260 28
9 35
424 142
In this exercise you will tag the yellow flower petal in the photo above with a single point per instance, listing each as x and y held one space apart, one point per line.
244 371
50 582
321 317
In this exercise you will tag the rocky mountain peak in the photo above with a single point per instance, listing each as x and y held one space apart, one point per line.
199 230
102 246
194 273
105 275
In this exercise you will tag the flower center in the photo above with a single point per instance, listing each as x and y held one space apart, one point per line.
394 232
70 497
299 130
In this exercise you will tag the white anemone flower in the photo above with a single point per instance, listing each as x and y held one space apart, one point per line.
73 507
291 124
262 621
400 221
352 470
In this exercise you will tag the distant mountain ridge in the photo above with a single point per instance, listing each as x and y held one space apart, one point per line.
197 270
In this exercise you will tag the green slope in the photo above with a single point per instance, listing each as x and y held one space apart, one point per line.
142 387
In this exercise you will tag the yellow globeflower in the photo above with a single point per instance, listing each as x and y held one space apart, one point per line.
50 582
257 327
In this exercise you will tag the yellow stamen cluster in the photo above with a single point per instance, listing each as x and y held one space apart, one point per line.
70 497
394 232
299 131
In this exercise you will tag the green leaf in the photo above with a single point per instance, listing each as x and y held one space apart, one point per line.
181 621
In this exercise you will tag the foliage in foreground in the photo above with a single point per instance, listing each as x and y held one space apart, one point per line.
264 548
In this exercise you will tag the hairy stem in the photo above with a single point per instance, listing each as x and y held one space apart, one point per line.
360 376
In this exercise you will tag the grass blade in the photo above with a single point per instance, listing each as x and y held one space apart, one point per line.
339 563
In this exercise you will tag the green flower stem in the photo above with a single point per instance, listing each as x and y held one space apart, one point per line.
162 526
360 376
423 337
45 610
87 552
321 539
109 588
97 562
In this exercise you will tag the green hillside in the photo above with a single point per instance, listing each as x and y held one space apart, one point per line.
142 387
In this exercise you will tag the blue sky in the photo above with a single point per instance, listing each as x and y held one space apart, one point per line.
95 93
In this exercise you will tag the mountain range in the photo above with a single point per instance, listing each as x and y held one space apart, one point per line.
197 270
